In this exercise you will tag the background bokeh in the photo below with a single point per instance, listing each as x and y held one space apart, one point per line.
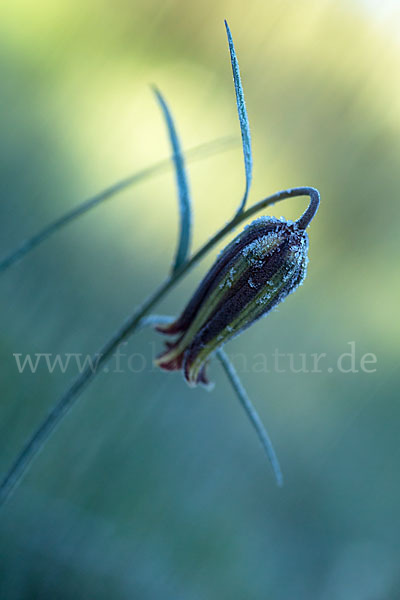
149 489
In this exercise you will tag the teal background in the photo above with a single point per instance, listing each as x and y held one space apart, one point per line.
150 489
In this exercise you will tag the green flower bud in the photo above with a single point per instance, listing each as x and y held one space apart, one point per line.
255 272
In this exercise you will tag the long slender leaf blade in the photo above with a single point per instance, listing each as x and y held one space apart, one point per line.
185 209
198 152
251 413
243 118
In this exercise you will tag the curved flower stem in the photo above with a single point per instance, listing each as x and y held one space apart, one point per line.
309 214
196 153
67 400
251 413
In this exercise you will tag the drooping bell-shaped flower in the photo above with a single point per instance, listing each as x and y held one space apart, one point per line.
256 271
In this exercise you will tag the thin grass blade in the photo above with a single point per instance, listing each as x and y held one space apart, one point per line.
251 413
185 209
198 152
243 118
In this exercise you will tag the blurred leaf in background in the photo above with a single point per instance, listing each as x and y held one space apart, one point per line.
150 489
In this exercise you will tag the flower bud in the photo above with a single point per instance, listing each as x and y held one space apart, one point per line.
254 273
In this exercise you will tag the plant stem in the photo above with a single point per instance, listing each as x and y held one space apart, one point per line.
64 404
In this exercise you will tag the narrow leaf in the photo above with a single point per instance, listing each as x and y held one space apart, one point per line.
196 153
185 211
243 118
152 320
251 413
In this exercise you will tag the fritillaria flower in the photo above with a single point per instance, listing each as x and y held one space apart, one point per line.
255 272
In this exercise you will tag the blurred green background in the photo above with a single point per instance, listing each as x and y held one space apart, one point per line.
150 489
